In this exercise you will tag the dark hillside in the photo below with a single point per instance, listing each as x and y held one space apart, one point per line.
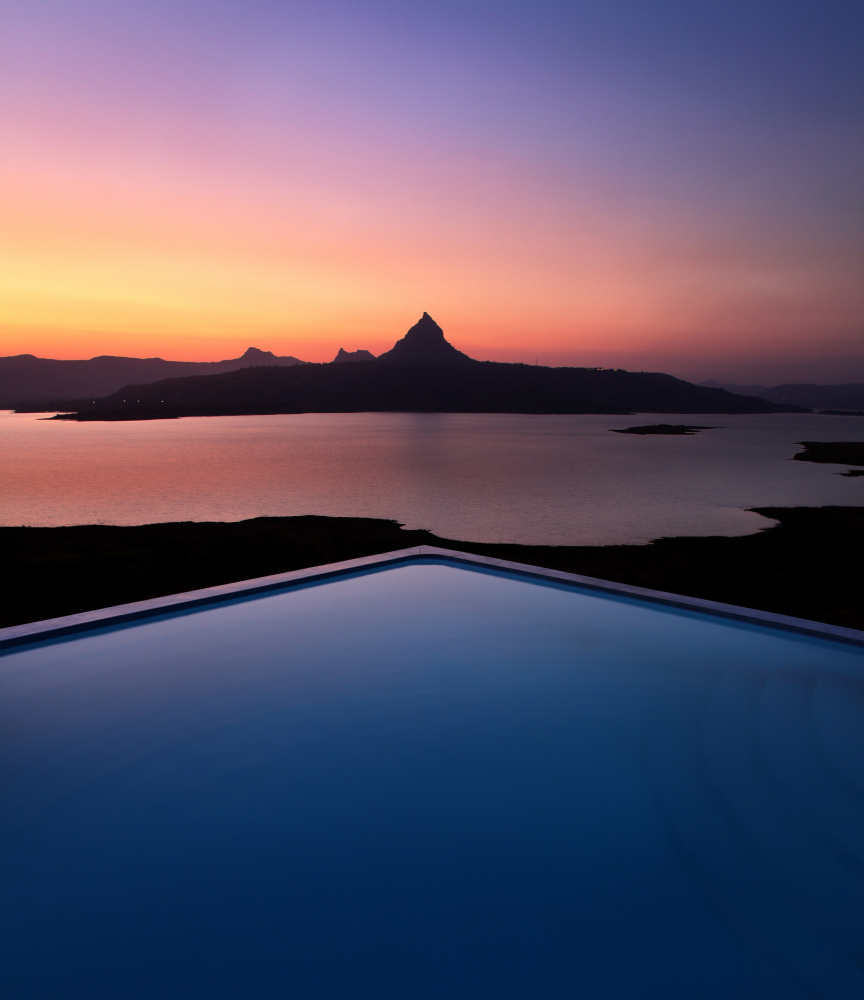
421 373
817 397
472 387
30 382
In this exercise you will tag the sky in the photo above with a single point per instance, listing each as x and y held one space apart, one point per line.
671 186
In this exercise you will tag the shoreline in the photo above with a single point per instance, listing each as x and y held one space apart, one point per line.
807 566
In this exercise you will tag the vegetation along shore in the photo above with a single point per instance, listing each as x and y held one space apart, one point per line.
808 565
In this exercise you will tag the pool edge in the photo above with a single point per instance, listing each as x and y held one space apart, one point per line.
55 628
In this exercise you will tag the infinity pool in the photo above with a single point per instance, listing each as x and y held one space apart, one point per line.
433 781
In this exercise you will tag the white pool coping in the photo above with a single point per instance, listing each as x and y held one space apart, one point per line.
69 625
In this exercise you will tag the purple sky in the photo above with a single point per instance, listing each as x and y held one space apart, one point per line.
647 185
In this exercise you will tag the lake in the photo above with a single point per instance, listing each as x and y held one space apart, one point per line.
531 479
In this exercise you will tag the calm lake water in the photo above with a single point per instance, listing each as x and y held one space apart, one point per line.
484 477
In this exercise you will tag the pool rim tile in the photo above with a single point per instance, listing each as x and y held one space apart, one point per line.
17 636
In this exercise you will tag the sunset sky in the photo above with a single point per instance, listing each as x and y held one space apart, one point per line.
628 183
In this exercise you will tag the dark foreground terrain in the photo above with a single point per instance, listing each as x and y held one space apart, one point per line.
810 565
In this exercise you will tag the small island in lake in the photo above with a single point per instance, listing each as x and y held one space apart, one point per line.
832 452
662 429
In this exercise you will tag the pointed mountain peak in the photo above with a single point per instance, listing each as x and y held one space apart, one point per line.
427 329
254 352
424 344
344 355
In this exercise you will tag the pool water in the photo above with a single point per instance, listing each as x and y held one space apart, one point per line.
433 781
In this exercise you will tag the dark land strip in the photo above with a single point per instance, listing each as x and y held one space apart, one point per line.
680 429
809 566
379 386
832 452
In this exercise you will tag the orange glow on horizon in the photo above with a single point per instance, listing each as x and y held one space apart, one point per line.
121 262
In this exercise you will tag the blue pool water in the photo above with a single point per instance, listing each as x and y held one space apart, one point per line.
430 781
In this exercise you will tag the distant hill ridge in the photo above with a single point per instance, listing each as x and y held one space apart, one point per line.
347 356
28 380
816 397
422 373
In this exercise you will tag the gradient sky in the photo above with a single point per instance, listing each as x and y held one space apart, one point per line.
627 183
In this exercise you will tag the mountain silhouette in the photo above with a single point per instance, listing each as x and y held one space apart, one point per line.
475 387
422 373
26 380
344 356
424 344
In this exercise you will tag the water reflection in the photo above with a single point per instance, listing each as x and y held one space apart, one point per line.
486 477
